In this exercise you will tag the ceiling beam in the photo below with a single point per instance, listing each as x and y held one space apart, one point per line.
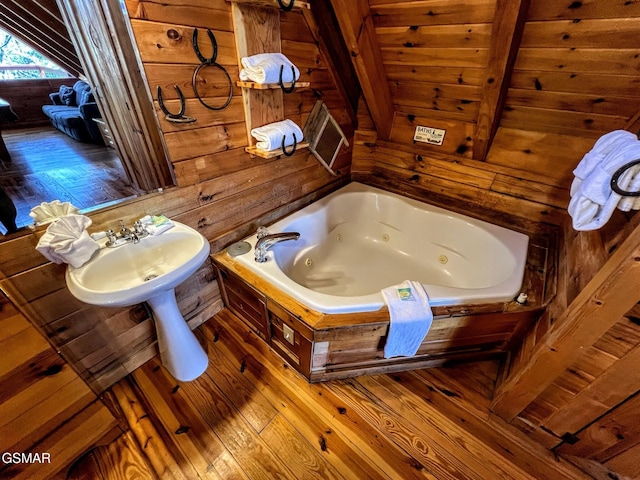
610 294
356 24
506 34
323 25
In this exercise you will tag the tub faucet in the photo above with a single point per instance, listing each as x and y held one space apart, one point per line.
265 243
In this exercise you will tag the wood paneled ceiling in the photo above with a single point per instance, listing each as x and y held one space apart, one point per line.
569 68
39 24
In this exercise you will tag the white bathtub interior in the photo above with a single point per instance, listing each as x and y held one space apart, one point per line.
360 239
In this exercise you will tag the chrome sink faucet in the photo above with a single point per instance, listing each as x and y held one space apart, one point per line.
265 242
126 235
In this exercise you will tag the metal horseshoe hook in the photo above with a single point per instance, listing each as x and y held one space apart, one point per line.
286 8
174 117
293 150
196 48
292 87
616 176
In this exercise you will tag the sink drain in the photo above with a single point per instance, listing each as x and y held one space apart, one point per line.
150 277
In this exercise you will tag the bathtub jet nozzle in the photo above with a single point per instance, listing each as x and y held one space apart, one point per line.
265 243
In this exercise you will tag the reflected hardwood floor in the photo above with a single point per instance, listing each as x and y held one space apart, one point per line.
250 416
47 164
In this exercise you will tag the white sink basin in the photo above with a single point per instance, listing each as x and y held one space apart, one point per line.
148 271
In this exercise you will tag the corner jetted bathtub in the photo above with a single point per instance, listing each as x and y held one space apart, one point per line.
360 239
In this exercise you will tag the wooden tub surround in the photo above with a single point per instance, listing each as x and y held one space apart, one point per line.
325 346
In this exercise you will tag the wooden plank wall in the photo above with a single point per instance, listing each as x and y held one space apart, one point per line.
574 79
222 192
27 98
576 69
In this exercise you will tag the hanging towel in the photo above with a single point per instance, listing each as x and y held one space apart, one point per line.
592 199
410 315
265 68
269 136
67 241
49 211
605 145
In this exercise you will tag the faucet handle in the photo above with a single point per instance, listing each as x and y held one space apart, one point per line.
123 230
139 229
262 232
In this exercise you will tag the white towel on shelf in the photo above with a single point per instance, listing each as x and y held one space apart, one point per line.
67 241
269 137
592 199
410 318
265 68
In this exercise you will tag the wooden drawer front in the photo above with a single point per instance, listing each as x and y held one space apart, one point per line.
247 303
289 343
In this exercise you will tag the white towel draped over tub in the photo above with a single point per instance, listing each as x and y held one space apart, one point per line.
269 137
265 68
592 199
410 318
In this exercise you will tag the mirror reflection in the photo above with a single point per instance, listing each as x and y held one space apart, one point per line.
54 143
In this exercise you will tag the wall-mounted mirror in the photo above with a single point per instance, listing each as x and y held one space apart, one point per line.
100 33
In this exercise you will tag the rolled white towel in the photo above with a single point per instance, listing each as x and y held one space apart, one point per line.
265 68
49 211
269 137
67 241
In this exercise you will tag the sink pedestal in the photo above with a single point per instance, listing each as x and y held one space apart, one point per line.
181 353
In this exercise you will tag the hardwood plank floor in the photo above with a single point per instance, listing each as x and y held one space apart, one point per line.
47 164
251 416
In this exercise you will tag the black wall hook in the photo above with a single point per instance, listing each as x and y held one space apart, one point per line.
616 176
175 117
209 62
295 145
196 47
292 87
286 8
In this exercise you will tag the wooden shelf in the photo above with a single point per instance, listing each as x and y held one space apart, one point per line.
298 5
253 150
270 86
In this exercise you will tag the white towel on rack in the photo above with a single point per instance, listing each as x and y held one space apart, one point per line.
592 199
410 318
67 241
269 137
605 144
265 68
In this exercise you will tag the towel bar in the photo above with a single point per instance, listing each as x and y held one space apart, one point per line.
616 176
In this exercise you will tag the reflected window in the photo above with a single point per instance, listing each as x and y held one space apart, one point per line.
19 61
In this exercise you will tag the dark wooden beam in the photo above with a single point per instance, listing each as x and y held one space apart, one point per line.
611 293
508 26
356 24
322 23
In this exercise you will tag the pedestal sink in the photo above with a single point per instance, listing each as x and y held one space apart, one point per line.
149 271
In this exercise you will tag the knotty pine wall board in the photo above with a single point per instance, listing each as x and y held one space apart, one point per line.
439 12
